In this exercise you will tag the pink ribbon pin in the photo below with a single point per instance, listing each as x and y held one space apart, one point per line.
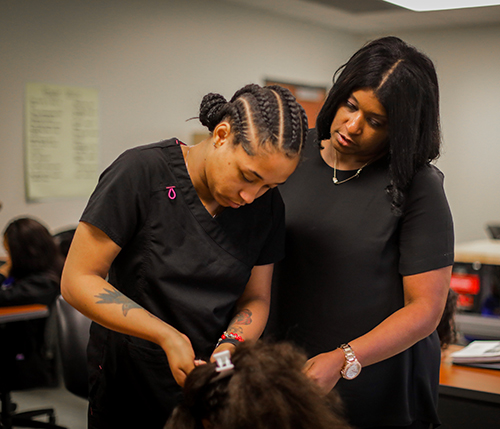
171 192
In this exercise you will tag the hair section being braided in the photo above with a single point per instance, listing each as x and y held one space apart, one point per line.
267 389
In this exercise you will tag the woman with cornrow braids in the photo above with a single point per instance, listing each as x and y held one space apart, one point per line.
174 253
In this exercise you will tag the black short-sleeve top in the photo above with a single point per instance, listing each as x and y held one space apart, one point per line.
346 255
176 260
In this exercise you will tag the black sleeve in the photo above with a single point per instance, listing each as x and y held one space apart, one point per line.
426 238
34 289
119 204
274 249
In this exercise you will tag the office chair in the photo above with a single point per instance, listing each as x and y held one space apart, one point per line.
73 338
63 239
24 364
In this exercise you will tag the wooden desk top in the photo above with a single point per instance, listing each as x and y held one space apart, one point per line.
483 251
23 312
465 377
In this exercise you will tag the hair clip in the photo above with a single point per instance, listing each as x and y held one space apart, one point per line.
223 360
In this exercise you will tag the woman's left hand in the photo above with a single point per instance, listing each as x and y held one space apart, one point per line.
324 369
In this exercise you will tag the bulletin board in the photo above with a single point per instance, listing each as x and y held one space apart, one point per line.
61 141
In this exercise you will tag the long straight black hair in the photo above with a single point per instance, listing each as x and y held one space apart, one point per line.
405 82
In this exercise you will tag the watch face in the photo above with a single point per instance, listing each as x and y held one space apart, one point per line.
352 370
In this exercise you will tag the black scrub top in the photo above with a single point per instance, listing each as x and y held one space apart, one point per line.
177 261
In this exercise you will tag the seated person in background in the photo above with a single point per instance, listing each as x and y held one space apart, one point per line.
266 389
30 275
33 268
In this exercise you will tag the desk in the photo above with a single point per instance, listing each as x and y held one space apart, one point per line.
484 255
469 397
23 312
482 251
9 419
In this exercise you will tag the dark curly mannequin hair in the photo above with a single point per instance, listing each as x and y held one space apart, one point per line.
32 249
447 329
265 115
267 389
405 82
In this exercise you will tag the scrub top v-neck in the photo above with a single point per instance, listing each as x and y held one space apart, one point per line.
176 260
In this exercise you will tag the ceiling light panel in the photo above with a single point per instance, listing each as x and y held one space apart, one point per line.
430 5
358 6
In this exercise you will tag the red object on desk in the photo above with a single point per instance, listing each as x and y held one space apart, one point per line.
467 286
23 312
465 283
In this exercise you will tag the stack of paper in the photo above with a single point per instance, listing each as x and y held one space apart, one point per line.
478 351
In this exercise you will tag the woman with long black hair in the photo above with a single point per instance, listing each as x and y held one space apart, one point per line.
370 240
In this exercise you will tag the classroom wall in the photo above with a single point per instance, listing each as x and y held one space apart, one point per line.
153 60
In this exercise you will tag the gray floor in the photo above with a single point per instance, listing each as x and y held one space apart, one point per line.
71 411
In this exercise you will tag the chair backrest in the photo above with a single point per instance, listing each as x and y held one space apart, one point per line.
63 239
73 339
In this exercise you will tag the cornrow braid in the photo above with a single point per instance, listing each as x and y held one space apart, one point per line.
259 116
237 123
266 104
298 117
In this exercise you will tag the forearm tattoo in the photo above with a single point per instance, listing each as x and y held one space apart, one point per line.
114 296
244 317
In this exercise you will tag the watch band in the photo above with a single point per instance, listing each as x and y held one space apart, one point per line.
348 352
351 367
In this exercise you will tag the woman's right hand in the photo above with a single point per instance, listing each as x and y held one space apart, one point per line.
324 369
180 355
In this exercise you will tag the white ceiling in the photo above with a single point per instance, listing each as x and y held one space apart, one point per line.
374 16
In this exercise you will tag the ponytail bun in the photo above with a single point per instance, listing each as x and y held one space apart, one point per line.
212 110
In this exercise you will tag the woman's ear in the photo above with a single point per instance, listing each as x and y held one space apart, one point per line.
221 133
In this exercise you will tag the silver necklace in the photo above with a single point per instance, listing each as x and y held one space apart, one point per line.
187 156
334 178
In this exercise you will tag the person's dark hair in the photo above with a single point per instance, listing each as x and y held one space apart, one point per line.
269 115
32 249
446 328
267 389
405 82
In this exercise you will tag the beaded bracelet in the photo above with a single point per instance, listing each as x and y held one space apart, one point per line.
229 337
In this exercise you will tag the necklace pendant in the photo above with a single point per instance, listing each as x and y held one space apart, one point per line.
335 180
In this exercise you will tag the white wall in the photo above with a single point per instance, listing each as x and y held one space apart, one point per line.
468 66
152 61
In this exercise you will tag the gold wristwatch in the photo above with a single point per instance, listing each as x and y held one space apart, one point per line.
352 367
